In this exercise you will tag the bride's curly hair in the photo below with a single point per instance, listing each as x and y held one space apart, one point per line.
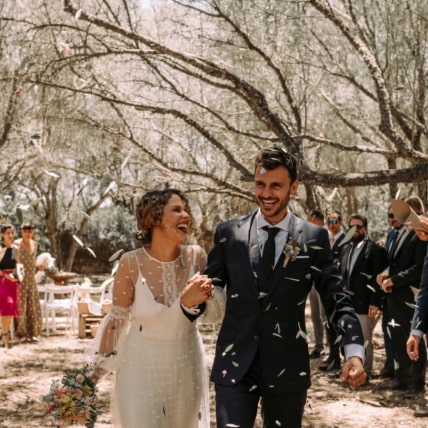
150 211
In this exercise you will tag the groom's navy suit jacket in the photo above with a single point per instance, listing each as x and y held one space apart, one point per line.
274 324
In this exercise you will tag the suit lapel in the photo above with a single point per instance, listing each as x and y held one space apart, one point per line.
294 234
247 232
249 229
401 242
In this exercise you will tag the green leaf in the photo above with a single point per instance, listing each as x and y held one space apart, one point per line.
52 173
35 202
24 62
115 256
19 214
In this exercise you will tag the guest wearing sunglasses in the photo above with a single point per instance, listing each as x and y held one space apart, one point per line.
335 232
360 261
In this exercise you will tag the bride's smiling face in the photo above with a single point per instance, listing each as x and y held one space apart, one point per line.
175 221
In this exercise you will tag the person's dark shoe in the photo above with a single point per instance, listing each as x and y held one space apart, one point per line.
421 413
329 365
414 392
316 354
394 386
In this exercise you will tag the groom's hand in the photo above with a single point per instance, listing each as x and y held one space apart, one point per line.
353 372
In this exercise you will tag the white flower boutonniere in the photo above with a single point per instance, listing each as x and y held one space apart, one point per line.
291 250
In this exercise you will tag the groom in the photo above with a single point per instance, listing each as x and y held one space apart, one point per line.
268 261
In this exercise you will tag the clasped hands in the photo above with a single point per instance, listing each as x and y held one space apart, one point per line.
385 282
198 289
353 372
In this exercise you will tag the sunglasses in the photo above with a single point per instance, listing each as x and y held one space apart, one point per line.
357 226
332 221
27 229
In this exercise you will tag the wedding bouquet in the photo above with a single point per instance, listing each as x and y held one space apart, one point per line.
71 400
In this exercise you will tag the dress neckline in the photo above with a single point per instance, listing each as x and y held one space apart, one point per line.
160 261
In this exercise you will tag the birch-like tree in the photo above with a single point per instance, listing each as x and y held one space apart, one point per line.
189 90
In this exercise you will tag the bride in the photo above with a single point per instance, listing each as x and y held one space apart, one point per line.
150 336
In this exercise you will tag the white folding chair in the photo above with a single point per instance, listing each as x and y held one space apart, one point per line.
99 292
59 300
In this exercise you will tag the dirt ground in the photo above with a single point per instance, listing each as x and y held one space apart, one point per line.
331 404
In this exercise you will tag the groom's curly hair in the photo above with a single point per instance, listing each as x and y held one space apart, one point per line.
150 211
273 157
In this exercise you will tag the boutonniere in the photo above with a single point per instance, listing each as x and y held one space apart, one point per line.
291 250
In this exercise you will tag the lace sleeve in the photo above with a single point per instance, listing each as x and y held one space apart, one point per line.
105 349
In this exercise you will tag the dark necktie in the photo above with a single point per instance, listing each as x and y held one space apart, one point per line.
268 257
392 244
349 266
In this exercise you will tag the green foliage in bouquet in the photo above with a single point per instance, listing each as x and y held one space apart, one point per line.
71 400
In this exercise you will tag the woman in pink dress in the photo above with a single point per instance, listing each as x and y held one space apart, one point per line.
8 282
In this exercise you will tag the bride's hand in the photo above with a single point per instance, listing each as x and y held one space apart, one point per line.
197 290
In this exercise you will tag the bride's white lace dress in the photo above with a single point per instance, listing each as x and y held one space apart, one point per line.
156 351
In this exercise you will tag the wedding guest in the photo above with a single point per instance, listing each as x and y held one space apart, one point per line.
388 369
30 313
405 258
336 235
267 262
360 260
148 337
420 317
8 282
335 232
317 310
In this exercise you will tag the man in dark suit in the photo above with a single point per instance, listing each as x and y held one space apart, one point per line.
405 257
335 232
360 261
420 317
261 351
335 236
317 310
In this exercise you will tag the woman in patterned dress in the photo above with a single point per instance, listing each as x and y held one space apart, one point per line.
8 282
150 337
30 313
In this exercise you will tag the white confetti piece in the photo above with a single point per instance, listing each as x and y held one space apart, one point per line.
281 372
